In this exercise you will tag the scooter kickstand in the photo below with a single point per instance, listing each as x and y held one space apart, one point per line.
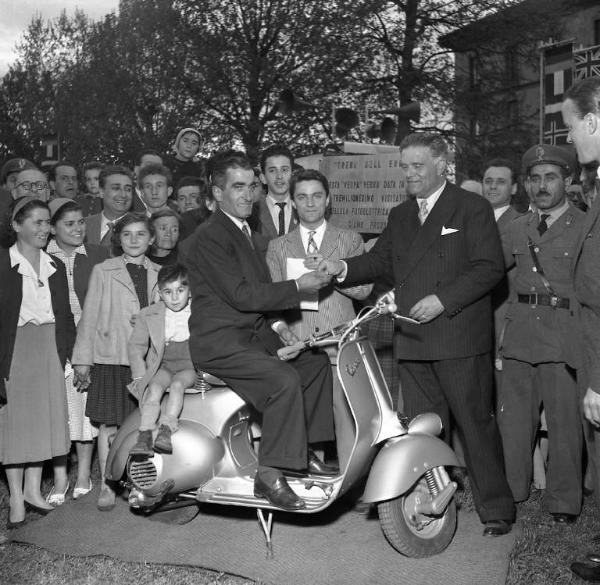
266 527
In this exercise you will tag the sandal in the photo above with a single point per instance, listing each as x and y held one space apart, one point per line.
57 498
78 492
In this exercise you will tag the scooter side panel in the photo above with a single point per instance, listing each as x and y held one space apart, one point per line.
401 462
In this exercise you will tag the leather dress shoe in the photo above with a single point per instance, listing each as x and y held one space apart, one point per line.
497 528
317 467
563 518
586 571
594 558
278 493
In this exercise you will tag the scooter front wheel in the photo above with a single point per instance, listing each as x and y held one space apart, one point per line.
412 533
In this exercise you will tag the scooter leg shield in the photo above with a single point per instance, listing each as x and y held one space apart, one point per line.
401 462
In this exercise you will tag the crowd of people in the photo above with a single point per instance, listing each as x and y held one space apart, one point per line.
118 284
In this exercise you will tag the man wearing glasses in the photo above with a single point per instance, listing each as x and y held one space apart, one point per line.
33 183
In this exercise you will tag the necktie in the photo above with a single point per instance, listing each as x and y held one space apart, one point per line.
311 249
543 226
108 235
281 229
246 231
423 211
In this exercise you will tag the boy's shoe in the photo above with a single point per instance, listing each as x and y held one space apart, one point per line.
162 443
143 446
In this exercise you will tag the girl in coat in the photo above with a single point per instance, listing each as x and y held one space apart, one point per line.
36 338
119 287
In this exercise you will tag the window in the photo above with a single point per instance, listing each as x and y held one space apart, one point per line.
597 32
474 72
511 67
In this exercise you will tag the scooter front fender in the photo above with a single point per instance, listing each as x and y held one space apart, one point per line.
402 461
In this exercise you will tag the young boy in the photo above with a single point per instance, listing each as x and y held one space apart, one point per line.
161 334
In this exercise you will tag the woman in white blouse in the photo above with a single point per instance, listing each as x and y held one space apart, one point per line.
37 334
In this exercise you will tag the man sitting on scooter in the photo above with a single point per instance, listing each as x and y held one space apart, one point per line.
235 336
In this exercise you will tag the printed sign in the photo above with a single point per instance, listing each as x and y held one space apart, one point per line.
363 189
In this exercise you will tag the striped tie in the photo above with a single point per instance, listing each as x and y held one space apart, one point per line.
423 211
246 231
311 249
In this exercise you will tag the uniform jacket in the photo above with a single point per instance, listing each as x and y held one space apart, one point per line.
335 302
111 301
587 289
265 221
456 255
11 295
146 346
537 334
231 290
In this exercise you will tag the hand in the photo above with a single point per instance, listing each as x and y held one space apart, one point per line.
591 407
312 262
427 309
289 338
312 282
81 377
332 267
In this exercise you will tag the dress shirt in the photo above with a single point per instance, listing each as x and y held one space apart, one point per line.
498 211
240 223
176 324
36 304
317 236
554 214
104 227
432 199
274 210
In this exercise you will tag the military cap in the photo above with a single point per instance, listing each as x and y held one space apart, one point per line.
14 165
548 154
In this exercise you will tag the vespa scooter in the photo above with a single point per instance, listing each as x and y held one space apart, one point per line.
214 454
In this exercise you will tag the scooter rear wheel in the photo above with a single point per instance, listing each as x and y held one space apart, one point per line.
411 533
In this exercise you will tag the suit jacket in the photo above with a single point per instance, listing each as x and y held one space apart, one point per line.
335 302
501 291
82 269
11 295
146 346
231 289
92 229
111 301
266 226
587 289
542 334
456 255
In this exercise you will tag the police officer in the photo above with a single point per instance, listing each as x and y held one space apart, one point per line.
540 328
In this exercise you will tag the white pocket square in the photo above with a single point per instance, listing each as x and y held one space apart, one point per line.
446 231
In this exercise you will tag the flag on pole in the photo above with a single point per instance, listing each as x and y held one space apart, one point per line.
587 62
558 77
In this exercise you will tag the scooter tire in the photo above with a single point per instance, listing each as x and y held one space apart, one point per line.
415 535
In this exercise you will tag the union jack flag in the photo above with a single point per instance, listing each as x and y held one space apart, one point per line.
554 131
587 62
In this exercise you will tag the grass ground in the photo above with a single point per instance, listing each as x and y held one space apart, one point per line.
541 555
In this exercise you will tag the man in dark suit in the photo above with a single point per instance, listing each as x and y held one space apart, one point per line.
275 211
443 248
581 115
233 334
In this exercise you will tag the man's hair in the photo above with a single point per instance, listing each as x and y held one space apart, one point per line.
93 165
61 163
167 212
137 161
501 162
435 143
275 150
171 273
585 94
308 175
189 181
113 170
224 160
155 169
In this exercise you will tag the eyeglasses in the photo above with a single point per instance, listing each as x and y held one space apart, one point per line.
33 186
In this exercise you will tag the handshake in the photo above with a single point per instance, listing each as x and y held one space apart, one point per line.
321 275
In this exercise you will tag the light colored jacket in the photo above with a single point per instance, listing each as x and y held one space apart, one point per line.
335 302
111 302
146 347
